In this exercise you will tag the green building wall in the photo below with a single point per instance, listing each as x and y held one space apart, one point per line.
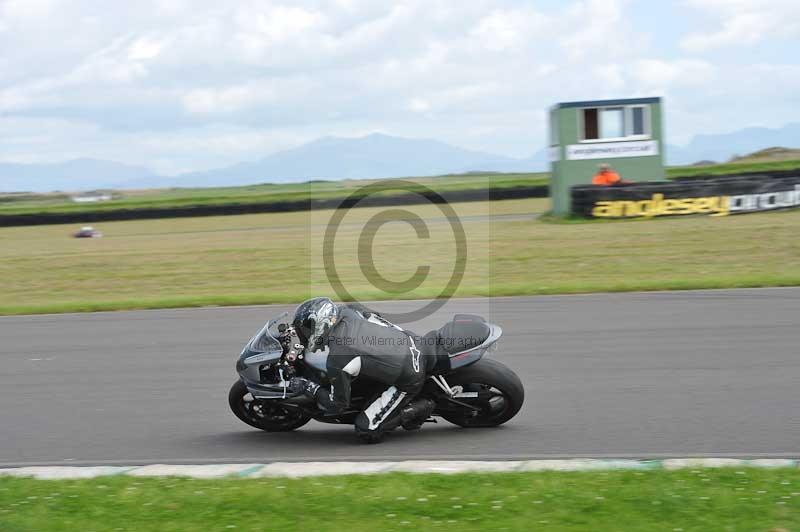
567 173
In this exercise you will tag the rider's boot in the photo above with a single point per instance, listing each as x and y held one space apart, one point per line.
414 415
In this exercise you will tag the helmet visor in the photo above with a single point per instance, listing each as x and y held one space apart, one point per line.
319 323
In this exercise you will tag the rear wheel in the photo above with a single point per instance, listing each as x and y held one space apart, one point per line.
494 391
265 415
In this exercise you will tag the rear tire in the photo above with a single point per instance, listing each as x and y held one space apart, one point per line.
269 416
488 375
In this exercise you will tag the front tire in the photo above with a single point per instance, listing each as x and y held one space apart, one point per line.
269 416
500 390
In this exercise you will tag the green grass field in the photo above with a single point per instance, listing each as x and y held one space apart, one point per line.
700 500
738 167
271 258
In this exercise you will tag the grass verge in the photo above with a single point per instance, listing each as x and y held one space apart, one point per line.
701 500
277 258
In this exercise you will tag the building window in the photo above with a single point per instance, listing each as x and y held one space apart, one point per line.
614 123
637 120
590 130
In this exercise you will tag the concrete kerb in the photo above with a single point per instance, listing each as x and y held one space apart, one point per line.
314 469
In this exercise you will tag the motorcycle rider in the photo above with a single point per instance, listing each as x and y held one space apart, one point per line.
361 343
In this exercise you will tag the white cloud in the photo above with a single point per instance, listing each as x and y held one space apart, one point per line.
509 29
744 23
419 105
594 28
659 73
27 9
225 99
261 27
143 82
144 48
609 76
217 100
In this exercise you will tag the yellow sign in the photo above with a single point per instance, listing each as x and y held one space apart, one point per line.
658 206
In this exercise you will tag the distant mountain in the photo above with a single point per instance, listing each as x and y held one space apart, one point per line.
372 156
73 175
723 147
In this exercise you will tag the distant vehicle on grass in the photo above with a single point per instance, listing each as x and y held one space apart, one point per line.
87 231
92 197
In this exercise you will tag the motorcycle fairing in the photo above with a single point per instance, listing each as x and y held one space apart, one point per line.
262 349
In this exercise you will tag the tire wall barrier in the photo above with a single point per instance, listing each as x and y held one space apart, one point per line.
715 197
90 216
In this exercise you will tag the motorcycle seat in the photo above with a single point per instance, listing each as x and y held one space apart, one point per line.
446 345
463 333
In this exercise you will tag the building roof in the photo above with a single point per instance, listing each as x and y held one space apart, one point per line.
604 103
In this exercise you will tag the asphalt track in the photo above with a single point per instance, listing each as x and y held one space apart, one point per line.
670 374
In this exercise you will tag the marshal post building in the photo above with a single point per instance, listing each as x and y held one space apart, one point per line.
626 134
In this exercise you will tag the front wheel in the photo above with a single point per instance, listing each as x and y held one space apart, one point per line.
494 391
270 415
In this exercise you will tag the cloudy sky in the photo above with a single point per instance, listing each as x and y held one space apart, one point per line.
186 85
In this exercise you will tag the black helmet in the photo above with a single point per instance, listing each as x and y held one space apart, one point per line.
313 320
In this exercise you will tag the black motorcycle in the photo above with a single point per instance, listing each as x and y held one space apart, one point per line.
468 389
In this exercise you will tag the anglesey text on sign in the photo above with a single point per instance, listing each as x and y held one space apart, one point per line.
657 205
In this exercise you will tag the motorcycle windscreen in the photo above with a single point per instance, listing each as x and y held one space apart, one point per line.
264 342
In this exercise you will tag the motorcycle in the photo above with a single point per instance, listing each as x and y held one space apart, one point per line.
468 390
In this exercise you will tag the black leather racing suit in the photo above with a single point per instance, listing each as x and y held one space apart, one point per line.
362 344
